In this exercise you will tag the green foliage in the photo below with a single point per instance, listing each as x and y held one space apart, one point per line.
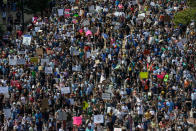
192 3
184 17
38 5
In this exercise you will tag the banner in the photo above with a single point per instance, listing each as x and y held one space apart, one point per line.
106 96
77 121
143 75
60 12
21 61
98 119
48 70
12 62
26 39
65 90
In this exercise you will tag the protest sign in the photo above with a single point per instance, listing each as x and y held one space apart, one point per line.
21 61
37 29
117 129
67 12
77 68
143 75
44 104
12 62
44 62
98 119
48 70
85 105
26 39
34 59
4 90
21 52
88 54
65 90
7 113
39 51
106 96
60 12
166 78
77 121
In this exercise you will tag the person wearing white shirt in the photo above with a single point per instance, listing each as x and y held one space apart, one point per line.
193 98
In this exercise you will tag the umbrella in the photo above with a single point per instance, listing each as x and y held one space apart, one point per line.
88 33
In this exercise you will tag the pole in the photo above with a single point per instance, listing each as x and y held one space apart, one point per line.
22 3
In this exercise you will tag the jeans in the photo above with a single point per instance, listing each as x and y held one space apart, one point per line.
193 103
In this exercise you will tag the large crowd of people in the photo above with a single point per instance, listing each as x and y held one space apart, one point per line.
97 65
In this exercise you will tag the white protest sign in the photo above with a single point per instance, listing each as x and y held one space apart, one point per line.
21 52
65 90
106 96
7 113
76 68
91 8
117 129
98 119
37 29
88 54
12 62
48 70
44 61
26 39
4 90
21 61
60 12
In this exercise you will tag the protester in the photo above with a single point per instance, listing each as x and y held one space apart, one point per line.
99 65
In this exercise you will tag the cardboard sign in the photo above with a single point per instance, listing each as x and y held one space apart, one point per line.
106 96
49 52
44 104
21 61
26 39
143 75
65 90
77 121
98 119
12 62
34 59
48 70
39 51
60 12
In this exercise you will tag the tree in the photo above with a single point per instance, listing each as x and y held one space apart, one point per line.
185 17
38 5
